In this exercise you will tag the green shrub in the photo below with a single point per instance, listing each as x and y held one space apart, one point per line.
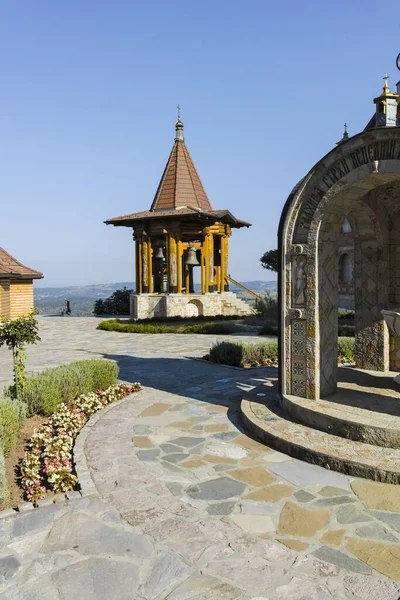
12 415
269 328
238 354
346 314
129 327
346 350
116 304
45 391
267 307
227 353
346 331
4 493
209 328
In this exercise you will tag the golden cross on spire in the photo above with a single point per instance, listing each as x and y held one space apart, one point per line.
179 112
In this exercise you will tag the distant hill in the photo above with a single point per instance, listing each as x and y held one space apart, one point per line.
103 290
100 290
50 301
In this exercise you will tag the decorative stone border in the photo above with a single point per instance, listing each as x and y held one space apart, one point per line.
85 481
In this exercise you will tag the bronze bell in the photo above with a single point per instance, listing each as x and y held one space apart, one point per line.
160 253
191 260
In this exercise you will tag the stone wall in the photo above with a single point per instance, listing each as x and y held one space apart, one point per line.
148 306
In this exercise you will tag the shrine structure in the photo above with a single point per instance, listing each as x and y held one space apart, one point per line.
339 235
182 232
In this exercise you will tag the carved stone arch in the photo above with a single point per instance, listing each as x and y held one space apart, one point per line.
358 180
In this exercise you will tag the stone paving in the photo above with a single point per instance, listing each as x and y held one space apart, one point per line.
189 506
66 339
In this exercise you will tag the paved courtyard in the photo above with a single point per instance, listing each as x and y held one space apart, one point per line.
188 506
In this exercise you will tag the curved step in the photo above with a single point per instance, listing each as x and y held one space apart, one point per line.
370 427
263 416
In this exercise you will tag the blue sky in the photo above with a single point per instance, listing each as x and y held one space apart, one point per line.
87 112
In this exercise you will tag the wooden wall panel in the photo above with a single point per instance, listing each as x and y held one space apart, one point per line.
5 298
21 297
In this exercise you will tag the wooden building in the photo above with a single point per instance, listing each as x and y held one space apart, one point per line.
16 286
180 232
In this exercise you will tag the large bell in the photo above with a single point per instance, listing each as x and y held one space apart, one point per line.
160 253
191 260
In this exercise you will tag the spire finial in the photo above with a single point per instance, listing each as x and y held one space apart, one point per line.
386 86
345 136
179 126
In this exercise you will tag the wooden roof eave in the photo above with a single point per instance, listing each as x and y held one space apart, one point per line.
19 276
225 216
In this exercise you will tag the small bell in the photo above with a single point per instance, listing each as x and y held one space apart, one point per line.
191 260
160 253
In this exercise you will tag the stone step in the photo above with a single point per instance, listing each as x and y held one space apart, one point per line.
241 306
263 416
347 421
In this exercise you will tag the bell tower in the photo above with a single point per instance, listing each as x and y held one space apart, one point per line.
182 232
386 107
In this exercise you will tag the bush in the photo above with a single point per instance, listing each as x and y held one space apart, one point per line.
45 391
116 304
238 354
269 328
267 307
346 350
4 493
346 331
12 415
129 327
209 328
346 314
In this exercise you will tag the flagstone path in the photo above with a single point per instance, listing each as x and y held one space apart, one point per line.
189 507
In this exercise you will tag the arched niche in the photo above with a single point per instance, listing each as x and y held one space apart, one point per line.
359 181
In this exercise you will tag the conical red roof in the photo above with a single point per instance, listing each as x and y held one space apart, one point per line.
180 184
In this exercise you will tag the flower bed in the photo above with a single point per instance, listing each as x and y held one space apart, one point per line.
47 464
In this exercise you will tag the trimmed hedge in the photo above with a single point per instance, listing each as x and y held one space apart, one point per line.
129 327
12 415
4 494
238 354
346 330
45 391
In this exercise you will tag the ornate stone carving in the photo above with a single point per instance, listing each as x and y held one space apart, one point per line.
299 280
295 313
297 249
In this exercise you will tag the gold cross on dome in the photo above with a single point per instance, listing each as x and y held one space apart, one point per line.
179 112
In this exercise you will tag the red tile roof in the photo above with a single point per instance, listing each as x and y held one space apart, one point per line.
180 184
11 267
